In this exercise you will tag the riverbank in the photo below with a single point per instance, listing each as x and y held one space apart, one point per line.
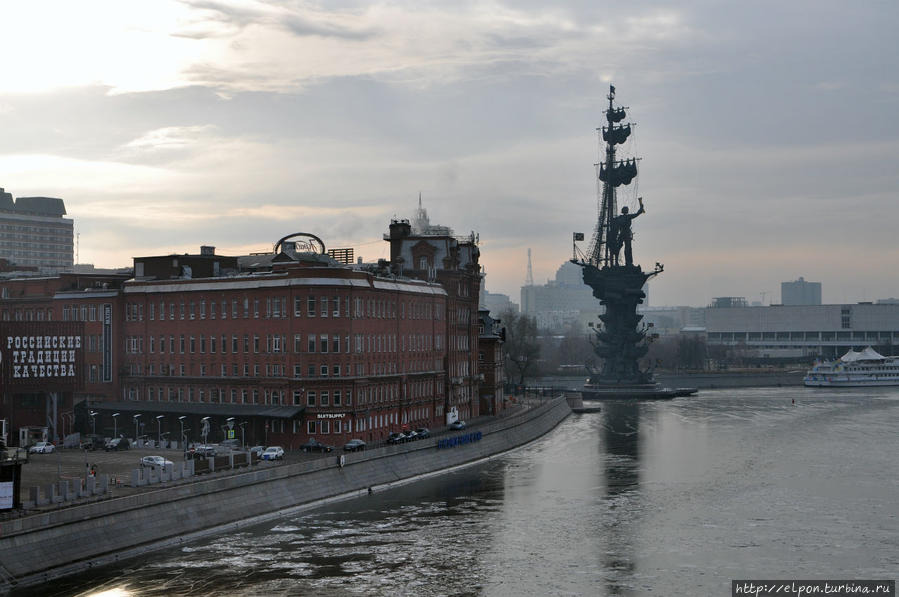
36 549
748 378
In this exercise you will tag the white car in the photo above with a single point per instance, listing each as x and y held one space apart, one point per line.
42 448
154 462
273 453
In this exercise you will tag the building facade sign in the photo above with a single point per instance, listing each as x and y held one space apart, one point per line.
42 354
331 415
107 343
6 491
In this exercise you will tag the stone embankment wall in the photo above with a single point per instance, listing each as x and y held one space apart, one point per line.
39 548
735 379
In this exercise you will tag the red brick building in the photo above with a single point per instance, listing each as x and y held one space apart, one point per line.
270 349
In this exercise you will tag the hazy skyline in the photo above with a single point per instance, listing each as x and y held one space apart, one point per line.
768 130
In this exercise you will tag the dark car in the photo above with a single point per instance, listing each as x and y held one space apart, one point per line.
118 443
314 445
411 436
396 438
93 442
423 433
457 425
354 445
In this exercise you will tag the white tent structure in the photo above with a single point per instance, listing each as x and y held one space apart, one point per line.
868 354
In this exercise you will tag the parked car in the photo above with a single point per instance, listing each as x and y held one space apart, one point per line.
154 462
457 425
411 435
42 448
257 451
313 445
205 449
396 437
273 453
423 433
354 445
231 444
117 443
92 442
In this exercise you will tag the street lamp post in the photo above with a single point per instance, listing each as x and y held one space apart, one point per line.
159 419
205 432
243 434
93 415
114 426
136 427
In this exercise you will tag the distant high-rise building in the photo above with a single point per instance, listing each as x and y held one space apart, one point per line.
561 301
800 292
34 233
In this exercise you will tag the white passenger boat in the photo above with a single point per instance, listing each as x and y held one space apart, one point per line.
855 369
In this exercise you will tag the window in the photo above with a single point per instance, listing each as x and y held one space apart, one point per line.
335 302
181 344
297 306
311 343
310 398
324 306
335 344
325 399
323 426
298 343
297 371
310 306
335 371
310 427
323 343
336 397
324 370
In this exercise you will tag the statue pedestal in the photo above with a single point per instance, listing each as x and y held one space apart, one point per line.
621 343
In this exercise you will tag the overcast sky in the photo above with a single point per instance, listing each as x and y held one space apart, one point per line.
769 131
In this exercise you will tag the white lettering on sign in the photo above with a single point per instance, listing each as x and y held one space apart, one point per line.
6 493
331 415
43 356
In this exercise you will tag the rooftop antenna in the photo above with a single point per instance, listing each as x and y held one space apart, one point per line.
77 247
529 281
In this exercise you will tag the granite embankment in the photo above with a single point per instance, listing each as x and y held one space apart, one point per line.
750 378
36 549
732 379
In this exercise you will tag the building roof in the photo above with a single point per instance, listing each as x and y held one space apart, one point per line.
43 206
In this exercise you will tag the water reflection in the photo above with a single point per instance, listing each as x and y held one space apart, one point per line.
621 473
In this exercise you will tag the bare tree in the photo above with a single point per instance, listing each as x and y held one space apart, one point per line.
522 350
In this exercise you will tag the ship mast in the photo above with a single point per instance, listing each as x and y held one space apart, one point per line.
610 174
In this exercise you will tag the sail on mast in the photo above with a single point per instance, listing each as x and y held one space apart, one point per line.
610 174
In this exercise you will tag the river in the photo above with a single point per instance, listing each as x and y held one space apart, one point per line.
654 498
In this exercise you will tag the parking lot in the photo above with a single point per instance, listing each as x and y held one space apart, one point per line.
75 464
